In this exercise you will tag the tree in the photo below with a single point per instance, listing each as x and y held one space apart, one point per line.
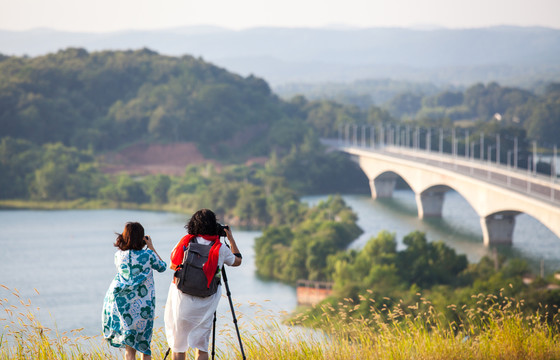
427 264
158 187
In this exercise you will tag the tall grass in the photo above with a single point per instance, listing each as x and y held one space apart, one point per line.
493 328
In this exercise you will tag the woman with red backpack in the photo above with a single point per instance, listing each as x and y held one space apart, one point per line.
188 317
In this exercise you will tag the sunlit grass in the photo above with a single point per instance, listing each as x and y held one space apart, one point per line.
494 327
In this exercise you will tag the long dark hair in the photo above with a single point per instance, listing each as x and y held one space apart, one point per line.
203 222
132 237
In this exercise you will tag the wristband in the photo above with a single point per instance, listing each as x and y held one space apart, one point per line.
238 255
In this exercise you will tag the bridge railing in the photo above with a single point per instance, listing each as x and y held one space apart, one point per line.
521 181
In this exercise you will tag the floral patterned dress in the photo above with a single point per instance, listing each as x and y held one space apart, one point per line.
128 308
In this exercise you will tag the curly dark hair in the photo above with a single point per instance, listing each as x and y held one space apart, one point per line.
132 237
203 222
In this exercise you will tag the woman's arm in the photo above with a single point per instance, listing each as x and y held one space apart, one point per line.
234 248
159 265
150 245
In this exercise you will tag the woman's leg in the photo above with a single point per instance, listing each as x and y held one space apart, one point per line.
202 355
179 356
146 357
129 353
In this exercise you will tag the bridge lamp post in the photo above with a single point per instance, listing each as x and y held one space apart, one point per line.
498 149
508 166
553 165
340 134
489 161
372 136
515 153
481 146
535 157
363 136
553 173
454 143
467 145
529 160
440 141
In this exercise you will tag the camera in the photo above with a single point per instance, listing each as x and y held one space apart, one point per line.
221 229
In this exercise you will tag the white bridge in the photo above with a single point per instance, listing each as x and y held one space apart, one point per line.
497 193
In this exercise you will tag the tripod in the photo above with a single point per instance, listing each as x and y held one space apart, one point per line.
234 319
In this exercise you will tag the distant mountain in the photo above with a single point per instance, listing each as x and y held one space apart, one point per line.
510 55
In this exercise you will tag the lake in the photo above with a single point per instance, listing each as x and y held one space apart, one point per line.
67 256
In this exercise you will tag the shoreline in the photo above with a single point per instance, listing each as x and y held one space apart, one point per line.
82 204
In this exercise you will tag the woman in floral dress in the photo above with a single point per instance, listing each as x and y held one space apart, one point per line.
128 308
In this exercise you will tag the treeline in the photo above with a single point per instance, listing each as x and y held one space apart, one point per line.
105 100
538 115
535 113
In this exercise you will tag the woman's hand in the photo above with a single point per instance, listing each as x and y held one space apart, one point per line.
234 248
149 243
228 233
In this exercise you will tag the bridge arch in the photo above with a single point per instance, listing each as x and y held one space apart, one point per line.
496 206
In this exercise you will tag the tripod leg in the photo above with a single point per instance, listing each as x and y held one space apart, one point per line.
233 312
214 336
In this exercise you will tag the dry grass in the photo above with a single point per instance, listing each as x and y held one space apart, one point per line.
494 328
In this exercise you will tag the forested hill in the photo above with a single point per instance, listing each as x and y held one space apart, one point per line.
103 100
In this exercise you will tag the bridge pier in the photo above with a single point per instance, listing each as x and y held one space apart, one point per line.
497 229
430 203
382 187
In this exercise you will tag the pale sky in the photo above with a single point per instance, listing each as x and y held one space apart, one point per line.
114 15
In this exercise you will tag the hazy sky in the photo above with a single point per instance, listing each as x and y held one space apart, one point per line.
111 15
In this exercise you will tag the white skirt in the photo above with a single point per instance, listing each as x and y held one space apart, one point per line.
188 319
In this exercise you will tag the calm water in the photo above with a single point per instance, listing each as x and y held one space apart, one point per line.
459 228
68 255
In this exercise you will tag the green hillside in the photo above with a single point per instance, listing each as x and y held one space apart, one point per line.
103 100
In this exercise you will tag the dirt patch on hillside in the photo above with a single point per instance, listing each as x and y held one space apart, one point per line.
149 159
146 159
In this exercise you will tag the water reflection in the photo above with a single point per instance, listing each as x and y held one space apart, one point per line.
459 227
